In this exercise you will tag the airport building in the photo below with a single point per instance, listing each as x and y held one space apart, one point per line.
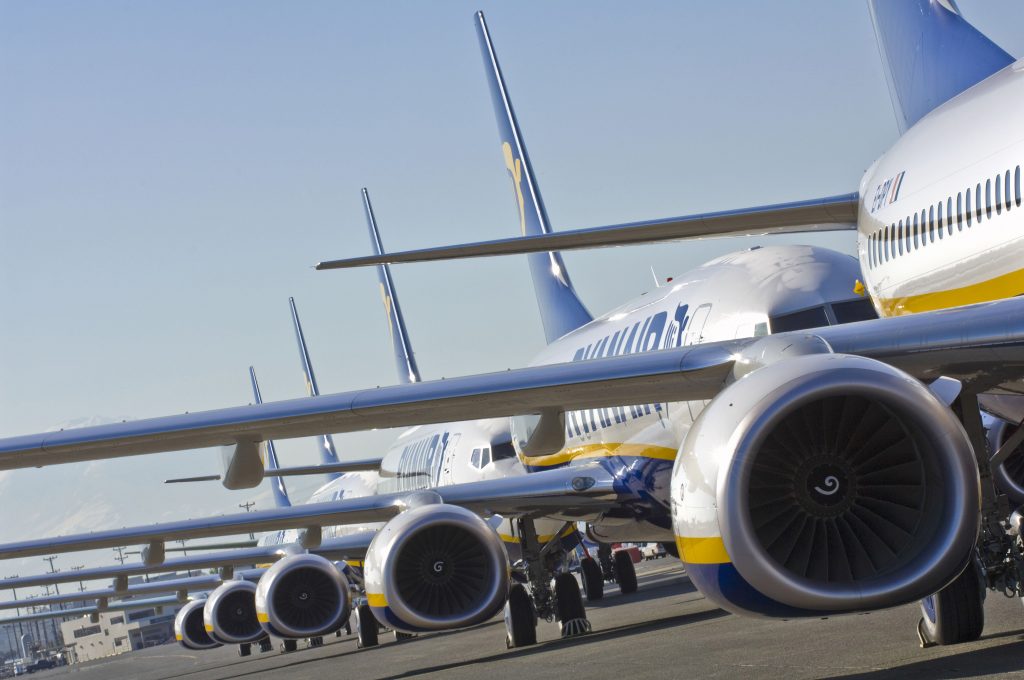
117 632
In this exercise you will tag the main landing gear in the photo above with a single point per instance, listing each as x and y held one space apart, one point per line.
367 629
618 567
955 613
539 567
593 579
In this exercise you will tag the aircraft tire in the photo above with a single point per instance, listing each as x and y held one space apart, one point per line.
593 579
402 637
367 631
520 621
244 650
625 572
572 615
266 645
956 613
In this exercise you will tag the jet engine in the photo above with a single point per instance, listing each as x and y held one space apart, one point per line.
302 596
436 567
230 614
824 483
189 628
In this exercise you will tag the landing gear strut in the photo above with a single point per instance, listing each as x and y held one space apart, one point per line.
367 630
538 567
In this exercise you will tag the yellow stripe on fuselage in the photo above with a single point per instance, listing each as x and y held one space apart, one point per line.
702 550
998 288
376 600
602 451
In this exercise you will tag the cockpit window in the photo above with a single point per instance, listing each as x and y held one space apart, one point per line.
475 458
848 311
854 310
797 321
502 451
485 457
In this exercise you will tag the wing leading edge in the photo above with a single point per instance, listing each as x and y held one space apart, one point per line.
834 213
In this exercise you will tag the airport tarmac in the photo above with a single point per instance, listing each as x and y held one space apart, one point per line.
666 630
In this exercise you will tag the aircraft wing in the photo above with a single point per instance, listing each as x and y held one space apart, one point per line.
124 605
573 490
821 214
296 471
202 582
692 372
352 546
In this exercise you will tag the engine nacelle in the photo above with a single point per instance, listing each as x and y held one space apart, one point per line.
823 484
436 567
302 596
189 628
229 615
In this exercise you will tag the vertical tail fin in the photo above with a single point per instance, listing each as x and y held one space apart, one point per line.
281 499
405 362
930 54
561 310
325 443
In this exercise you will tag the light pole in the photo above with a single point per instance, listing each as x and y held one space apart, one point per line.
57 637
17 610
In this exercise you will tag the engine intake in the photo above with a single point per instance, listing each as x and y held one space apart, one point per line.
189 628
302 596
831 483
230 614
1009 476
436 567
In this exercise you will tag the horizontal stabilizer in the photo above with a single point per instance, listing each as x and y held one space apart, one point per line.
836 213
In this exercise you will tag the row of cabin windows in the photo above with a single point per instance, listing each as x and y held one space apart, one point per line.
937 221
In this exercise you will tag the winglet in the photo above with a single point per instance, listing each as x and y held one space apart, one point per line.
324 442
561 310
281 499
405 362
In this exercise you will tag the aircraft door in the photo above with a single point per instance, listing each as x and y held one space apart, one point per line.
447 456
695 331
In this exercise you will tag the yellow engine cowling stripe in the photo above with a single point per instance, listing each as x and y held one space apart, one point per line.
262 617
702 550
376 600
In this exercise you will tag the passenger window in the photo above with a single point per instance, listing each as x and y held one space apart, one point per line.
1016 186
915 232
969 208
475 458
939 220
931 223
885 244
485 457
1006 190
988 198
999 194
899 237
949 215
977 202
960 209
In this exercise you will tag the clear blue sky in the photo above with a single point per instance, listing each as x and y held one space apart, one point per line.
170 171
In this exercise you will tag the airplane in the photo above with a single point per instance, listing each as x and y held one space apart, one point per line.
756 370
